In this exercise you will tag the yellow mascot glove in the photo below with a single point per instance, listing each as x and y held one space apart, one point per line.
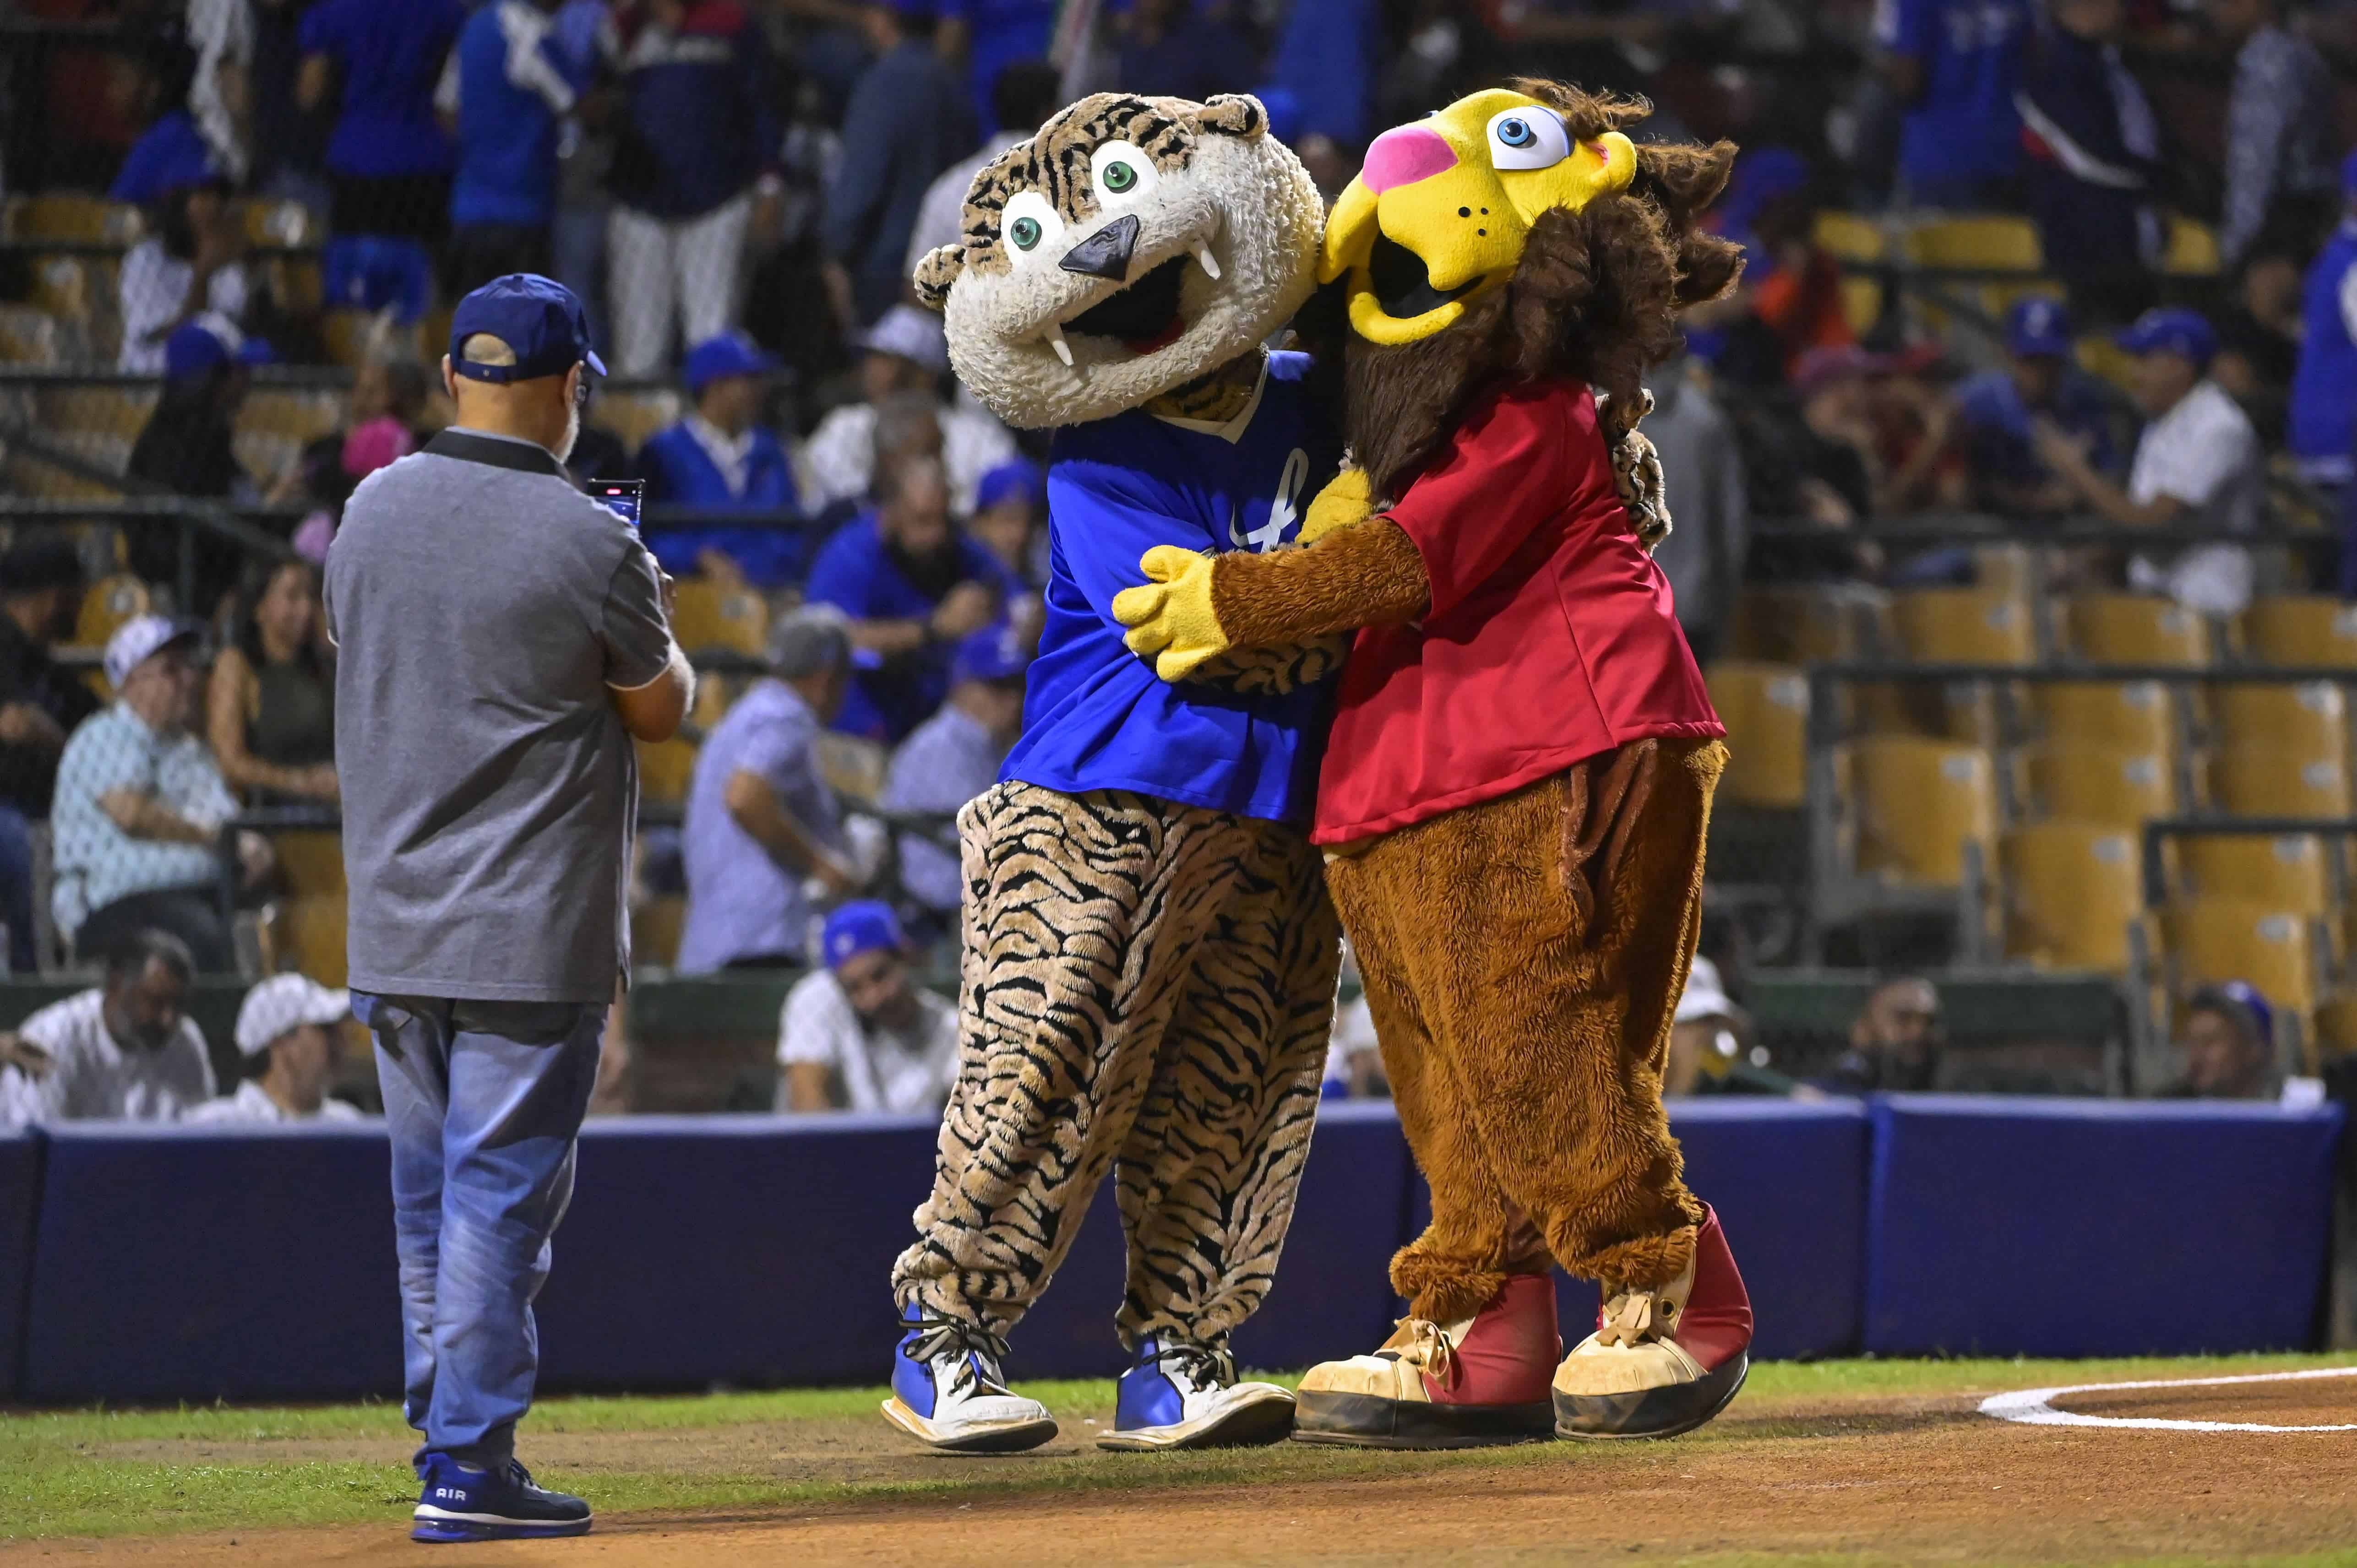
1170 617
1343 502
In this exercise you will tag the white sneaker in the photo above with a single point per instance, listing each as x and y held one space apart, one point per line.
1180 1395
949 1393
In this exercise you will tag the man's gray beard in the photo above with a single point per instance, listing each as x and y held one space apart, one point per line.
572 433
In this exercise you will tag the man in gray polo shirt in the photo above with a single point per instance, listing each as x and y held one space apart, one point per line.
504 638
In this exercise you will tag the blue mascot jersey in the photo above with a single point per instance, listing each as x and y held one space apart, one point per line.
1097 717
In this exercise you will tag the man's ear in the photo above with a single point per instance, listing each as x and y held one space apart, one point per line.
937 272
1234 114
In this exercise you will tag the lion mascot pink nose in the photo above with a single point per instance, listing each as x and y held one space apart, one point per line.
1404 155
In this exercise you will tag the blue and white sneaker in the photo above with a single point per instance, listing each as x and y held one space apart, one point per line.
949 1393
1180 1395
462 1503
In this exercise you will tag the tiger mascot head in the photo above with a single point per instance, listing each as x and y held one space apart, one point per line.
1517 233
1130 247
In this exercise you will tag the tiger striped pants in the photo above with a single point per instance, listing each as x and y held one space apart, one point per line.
1144 986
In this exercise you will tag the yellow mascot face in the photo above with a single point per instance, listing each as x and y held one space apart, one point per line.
1441 207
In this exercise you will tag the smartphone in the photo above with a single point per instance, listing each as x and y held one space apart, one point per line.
625 496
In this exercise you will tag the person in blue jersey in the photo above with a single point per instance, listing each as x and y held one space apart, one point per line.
506 89
720 457
1954 65
2324 386
1150 956
2040 380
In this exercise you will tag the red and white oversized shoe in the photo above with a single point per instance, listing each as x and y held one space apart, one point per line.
1467 1384
1660 1361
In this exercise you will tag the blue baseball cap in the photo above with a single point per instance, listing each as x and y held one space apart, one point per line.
2174 330
717 359
538 317
2037 327
2231 996
208 340
1016 477
861 926
994 654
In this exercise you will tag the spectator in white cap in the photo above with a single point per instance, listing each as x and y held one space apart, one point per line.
285 1032
141 805
905 351
1710 1044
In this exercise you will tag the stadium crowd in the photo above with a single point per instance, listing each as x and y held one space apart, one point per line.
739 189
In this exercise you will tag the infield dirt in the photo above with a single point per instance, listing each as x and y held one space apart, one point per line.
1859 1479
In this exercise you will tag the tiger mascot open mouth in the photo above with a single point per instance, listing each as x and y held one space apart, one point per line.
1131 246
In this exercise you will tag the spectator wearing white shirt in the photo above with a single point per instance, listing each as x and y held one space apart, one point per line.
860 1034
905 353
286 1025
194 263
125 1050
2198 464
955 756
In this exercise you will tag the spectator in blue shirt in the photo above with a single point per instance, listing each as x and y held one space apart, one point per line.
697 137
389 161
2094 151
2324 388
720 458
905 123
955 756
1994 411
505 93
913 586
761 827
1954 65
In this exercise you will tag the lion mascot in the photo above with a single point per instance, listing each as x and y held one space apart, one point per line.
1149 952
1519 778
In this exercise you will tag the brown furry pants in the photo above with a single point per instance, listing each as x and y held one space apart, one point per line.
1143 986
1523 960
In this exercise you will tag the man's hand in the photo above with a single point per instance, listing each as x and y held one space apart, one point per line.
963 610
1170 617
28 724
2056 448
23 1055
319 782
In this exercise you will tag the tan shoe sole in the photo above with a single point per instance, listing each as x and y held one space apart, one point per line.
1368 1420
1667 1411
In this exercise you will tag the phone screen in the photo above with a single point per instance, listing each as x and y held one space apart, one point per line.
624 495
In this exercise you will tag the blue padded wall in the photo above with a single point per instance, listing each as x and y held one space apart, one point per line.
213 1263
20 1189
2014 1226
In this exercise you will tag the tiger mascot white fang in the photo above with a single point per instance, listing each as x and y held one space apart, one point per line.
1148 965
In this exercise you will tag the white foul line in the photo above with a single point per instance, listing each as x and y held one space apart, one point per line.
2029 1406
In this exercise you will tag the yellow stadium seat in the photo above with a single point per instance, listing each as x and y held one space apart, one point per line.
1918 803
266 454
1992 241
1851 236
2336 1024
2218 939
634 416
97 410
1861 304
665 769
311 862
2192 249
281 411
2070 891
655 926
705 615
2311 718
1766 710
2287 871
315 927
281 224
2252 781
27 335
2314 629
1809 625
106 604
2102 357
2135 628
2136 716
2110 785
66 215
2008 569
1965 625
356 337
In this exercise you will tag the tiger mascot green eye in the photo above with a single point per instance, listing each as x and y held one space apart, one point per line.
1131 246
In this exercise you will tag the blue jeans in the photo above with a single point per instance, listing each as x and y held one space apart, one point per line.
484 1102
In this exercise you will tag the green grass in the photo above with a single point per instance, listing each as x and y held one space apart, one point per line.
59 1476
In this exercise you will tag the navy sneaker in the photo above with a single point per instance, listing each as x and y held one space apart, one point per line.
463 1503
948 1391
1180 1395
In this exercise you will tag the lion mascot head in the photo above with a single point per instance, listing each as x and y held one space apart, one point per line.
1517 233
1130 247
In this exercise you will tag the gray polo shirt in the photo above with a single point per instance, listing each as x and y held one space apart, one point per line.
483 607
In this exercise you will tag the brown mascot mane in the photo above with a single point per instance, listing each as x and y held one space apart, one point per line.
1594 298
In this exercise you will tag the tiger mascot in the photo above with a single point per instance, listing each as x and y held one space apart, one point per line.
1518 783
1149 954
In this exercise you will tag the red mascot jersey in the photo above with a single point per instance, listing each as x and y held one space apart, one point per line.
1550 638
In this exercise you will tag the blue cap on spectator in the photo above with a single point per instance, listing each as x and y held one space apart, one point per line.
2174 330
717 359
2038 329
2232 996
863 926
991 654
172 155
538 317
210 339
1017 476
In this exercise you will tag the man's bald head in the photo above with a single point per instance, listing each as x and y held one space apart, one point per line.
545 409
